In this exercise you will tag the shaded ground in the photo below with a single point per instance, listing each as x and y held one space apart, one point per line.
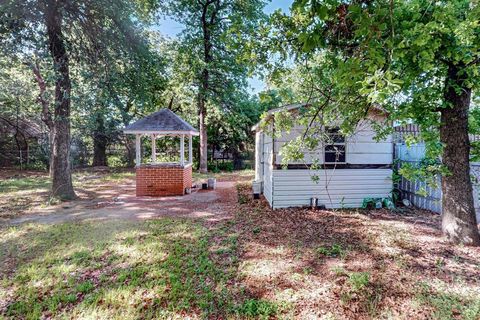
356 264
220 254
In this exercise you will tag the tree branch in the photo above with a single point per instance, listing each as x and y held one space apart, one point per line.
46 114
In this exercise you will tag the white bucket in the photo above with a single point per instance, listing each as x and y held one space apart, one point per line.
212 183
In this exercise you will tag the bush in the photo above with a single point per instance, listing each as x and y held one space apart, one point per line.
114 161
359 280
220 166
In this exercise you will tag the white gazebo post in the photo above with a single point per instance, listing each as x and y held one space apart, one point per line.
154 148
182 149
190 155
138 150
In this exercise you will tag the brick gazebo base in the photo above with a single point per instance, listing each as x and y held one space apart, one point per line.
163 179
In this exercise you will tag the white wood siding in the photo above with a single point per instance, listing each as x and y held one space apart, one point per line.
267 167
361 147
336 188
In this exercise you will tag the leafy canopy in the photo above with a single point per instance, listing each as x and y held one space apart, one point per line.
355 55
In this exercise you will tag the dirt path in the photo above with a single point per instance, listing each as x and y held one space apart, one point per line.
120 202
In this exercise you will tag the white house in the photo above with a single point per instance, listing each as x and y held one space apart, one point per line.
359 168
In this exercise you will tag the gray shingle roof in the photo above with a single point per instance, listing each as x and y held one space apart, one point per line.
161 122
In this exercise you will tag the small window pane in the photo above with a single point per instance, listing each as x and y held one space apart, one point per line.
334 153
334 135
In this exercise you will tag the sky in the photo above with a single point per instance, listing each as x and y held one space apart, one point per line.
171 28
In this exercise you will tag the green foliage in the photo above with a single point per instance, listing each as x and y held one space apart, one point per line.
427 170
358 280
448 305
116 72
230 130
261 309
474 128
211 66
349 57
115 161
220 166
335 250
256 230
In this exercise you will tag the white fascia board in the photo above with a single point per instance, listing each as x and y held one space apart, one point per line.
162 133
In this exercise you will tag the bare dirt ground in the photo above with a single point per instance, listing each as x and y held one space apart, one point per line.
101 199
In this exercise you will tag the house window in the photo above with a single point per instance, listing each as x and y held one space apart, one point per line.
334 146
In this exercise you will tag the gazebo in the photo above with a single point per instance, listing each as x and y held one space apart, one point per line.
163 178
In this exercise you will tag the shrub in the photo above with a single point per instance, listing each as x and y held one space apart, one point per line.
335 250
358 280
114 161
258 309
220 166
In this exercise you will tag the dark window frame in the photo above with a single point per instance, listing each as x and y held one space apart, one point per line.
337 142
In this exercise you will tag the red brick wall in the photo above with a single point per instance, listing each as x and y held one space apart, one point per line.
187 177
163 180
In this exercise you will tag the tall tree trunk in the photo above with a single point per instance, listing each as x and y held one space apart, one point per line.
130 147
459 222
100 141
205 79
60 161
237 159
203 135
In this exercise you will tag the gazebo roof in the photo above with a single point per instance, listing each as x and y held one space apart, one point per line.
163 122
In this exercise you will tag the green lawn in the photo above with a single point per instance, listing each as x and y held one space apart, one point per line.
241 175
24 183
159 269
41 180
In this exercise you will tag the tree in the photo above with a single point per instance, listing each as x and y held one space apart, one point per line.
17 109
416 59
79 29
112 93
212 46
230 130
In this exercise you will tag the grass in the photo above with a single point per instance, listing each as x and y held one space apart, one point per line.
448 305
42 181
262 264
226 175
129 270
20 193
24 183
358 280
335 250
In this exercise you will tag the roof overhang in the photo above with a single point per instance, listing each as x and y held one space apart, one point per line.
296 106
162 133
270 113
